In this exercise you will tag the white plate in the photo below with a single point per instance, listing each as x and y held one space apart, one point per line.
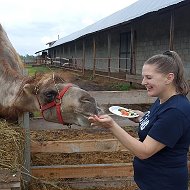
115 110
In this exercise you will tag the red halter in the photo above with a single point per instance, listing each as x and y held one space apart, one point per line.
55 103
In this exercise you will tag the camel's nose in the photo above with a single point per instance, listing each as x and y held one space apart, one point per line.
100 111
88 103
87 99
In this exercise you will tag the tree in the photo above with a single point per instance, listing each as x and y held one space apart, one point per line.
28 58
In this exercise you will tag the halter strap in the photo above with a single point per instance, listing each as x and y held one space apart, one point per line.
55 103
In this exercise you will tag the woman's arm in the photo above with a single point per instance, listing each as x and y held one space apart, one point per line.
142 150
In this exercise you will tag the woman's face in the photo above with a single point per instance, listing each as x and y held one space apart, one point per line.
155 82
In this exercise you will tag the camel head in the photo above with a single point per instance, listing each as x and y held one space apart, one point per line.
58 100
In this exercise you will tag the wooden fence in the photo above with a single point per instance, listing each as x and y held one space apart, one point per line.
113 71
86 171
103 171
113 170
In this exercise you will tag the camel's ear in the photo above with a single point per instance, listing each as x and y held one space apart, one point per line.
29 89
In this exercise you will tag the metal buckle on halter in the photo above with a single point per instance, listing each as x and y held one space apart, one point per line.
57 100
36 89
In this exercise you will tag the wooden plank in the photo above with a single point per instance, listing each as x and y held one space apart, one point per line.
83 56
9 179
109 53
10 186
132 48
109 182
41 124
80 171
8 176
122 97
171 42
134 78
94 56
101 145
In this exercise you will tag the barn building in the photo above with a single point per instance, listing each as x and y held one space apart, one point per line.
119 44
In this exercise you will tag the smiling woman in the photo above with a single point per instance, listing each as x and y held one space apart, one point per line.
164 131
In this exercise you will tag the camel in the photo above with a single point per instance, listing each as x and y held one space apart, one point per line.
58 100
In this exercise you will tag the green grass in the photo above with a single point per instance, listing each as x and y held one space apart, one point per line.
37 114
121 86
39 69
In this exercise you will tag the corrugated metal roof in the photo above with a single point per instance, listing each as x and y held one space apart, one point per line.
135 10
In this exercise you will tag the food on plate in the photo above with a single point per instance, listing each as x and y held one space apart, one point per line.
123 112
127 112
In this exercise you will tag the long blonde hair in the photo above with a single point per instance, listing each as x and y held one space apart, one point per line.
170 62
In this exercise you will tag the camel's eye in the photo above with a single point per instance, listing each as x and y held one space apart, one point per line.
50 95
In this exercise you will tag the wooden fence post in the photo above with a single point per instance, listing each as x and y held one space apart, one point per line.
109 53
24 121
171 42
83 57
94 57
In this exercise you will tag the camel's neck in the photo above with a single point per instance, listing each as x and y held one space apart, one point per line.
10 70
11 79
9 58
9 90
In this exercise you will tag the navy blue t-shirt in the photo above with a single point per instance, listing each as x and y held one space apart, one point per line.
168 123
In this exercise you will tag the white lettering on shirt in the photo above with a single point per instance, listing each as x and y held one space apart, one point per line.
144 121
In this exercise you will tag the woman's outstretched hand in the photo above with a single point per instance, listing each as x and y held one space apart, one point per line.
107 122
102 121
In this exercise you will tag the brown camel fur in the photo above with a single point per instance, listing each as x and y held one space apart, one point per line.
21 93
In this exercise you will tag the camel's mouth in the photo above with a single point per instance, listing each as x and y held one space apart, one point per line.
88 114
84 114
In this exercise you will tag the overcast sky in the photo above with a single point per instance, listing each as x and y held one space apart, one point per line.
30 24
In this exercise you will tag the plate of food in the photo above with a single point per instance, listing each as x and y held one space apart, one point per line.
123 112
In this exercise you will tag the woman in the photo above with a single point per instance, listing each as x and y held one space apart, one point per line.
160 161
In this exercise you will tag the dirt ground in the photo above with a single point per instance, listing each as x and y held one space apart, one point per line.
64 185
98 83
76 134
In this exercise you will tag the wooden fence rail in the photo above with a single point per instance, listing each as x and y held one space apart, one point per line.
102 145
83 171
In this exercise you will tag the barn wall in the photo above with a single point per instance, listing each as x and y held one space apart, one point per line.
101 51
152 35
89 52
115 39
182 37
79 49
